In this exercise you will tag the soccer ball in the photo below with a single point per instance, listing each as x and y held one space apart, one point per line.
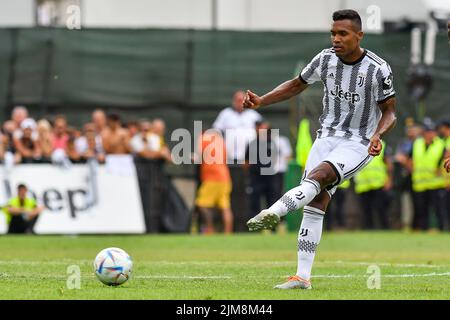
113 266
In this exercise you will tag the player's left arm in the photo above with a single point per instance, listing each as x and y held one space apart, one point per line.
384 94
387 122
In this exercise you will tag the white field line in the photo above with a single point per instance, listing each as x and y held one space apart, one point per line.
434 274
227 277
386 264
67 262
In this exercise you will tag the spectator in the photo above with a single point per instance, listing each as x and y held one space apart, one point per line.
238 126
26 142
11 156
133 128
9 127
72 152
373 184
215 188
89 145
99 120
404 152
284 156
444 132
428 182
261 170
146 144
115 138
44 130
19 114
60 135
403 169
336 214
159 128
60 140
22 212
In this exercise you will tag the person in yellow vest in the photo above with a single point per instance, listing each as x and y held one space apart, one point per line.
22 212
373 184
336 214
403 171
428 180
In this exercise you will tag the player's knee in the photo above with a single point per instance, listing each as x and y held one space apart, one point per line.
325 176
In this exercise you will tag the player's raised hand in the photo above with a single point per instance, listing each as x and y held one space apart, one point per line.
375 145
252 100
447 164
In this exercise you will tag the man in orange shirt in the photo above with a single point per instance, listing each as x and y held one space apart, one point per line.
215 187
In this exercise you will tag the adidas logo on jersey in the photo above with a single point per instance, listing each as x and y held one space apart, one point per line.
331 75
341 165
347 96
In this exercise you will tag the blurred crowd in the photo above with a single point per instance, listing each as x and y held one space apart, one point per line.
405 187
27 140
407 180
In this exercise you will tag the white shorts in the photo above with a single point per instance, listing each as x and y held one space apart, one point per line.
346 157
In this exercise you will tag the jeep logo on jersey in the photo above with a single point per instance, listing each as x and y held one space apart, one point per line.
347 96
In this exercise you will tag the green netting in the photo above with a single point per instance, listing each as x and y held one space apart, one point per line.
187 72
5 57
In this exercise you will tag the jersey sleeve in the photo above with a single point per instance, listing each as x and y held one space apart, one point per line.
311 73
384 83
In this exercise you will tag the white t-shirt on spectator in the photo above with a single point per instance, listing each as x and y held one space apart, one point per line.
239 130
18 133
153 143
81 144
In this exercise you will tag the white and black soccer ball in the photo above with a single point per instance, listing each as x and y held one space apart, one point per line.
113 266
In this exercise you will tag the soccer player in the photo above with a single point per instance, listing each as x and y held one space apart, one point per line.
358 110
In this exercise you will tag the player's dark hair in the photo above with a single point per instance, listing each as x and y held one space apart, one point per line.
348 14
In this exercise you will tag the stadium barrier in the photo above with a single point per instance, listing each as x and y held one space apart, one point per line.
164 209
91 198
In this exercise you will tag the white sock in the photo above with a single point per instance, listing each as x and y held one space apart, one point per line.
308 239
296 198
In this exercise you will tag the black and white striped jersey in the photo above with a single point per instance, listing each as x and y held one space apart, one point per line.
352 93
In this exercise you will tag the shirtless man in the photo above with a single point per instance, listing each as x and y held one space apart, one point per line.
115 138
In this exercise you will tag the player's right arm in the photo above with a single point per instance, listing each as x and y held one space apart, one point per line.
283 92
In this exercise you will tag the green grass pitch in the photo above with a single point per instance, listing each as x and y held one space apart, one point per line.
241 266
